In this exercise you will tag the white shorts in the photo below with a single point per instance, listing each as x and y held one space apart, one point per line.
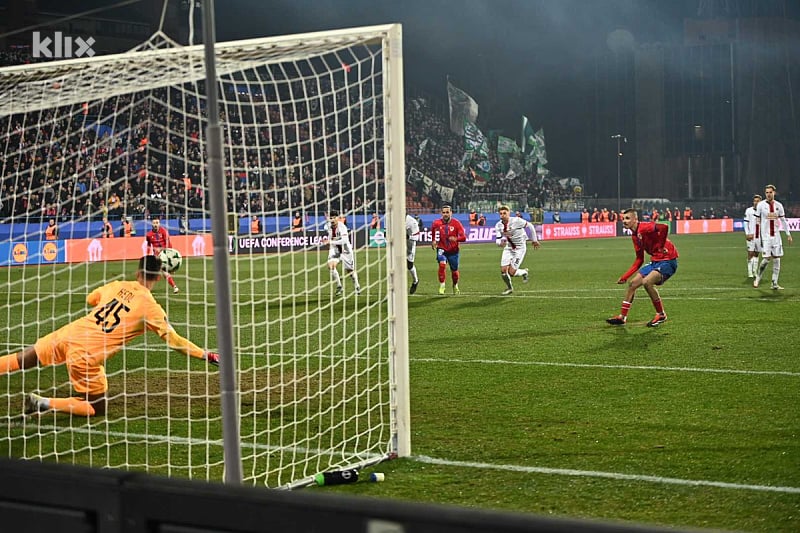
411 250
346 257
513 256
771 246
754 245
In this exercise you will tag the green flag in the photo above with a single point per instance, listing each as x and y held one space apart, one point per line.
541 151
506 145
484 169
528 136
474 140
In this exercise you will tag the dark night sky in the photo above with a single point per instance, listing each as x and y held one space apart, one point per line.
514 57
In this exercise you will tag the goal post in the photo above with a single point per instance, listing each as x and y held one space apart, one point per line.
311 124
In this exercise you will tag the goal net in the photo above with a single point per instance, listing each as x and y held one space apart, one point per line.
312 124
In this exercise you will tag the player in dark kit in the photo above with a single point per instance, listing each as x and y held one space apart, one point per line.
650 237
158 239
447 232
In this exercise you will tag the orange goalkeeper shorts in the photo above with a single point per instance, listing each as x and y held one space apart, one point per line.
87 375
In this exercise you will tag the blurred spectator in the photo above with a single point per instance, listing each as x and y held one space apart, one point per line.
297 222
375 223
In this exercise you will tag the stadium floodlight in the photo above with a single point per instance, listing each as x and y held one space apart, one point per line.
310 123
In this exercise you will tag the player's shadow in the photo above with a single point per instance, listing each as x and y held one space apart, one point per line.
477 303
635 337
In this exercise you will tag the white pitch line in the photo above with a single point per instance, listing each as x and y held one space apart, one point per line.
608 475
611 367
461 464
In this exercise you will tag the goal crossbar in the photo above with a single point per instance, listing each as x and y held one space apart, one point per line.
32 87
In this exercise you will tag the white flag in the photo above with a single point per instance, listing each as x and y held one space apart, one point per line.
462 108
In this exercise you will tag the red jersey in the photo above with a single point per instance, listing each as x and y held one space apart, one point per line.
158 240
442 231
651 237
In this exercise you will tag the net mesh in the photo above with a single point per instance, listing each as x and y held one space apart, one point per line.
95 144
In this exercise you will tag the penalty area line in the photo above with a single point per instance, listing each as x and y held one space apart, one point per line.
607 475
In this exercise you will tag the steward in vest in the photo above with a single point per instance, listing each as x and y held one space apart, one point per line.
255 226
51 231
108 231
127 228
297 222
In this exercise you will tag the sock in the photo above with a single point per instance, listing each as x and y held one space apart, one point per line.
762 267
335 277
750 267
753 265
506 279
776 269
76 406
355 279
441 272
9 363
626 306
413 271
456 277
170 281
659 305
521 272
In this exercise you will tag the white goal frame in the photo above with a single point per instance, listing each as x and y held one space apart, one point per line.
40 86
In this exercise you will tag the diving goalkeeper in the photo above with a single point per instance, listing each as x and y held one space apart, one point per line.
122 311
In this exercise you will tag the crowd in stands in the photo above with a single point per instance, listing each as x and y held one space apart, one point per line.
141 155
435 151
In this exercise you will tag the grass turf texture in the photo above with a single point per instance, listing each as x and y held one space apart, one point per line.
638 424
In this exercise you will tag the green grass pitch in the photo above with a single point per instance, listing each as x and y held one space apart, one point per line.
531 403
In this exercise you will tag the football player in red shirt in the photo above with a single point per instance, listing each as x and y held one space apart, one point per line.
447 232
158 239
650 237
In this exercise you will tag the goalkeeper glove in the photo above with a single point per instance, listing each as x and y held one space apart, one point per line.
212 358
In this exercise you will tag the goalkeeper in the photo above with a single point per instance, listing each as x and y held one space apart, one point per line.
122 311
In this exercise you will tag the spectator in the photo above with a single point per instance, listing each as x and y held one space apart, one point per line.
51 231
108 231
255 226
297 222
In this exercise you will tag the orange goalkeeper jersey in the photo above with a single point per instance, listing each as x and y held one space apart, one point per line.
123 310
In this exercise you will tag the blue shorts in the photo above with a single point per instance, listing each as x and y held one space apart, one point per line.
665 268
451 258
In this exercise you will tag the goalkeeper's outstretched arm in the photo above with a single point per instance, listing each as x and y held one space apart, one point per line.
187 347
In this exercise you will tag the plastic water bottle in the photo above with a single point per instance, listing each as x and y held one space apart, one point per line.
336 477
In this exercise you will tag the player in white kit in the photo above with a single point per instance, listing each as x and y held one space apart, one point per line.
753 237
340 250
512 234
771 215
412 236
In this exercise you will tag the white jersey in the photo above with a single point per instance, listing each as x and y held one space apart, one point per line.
412 236
412 228
515 232
338 238
770 218
751 222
